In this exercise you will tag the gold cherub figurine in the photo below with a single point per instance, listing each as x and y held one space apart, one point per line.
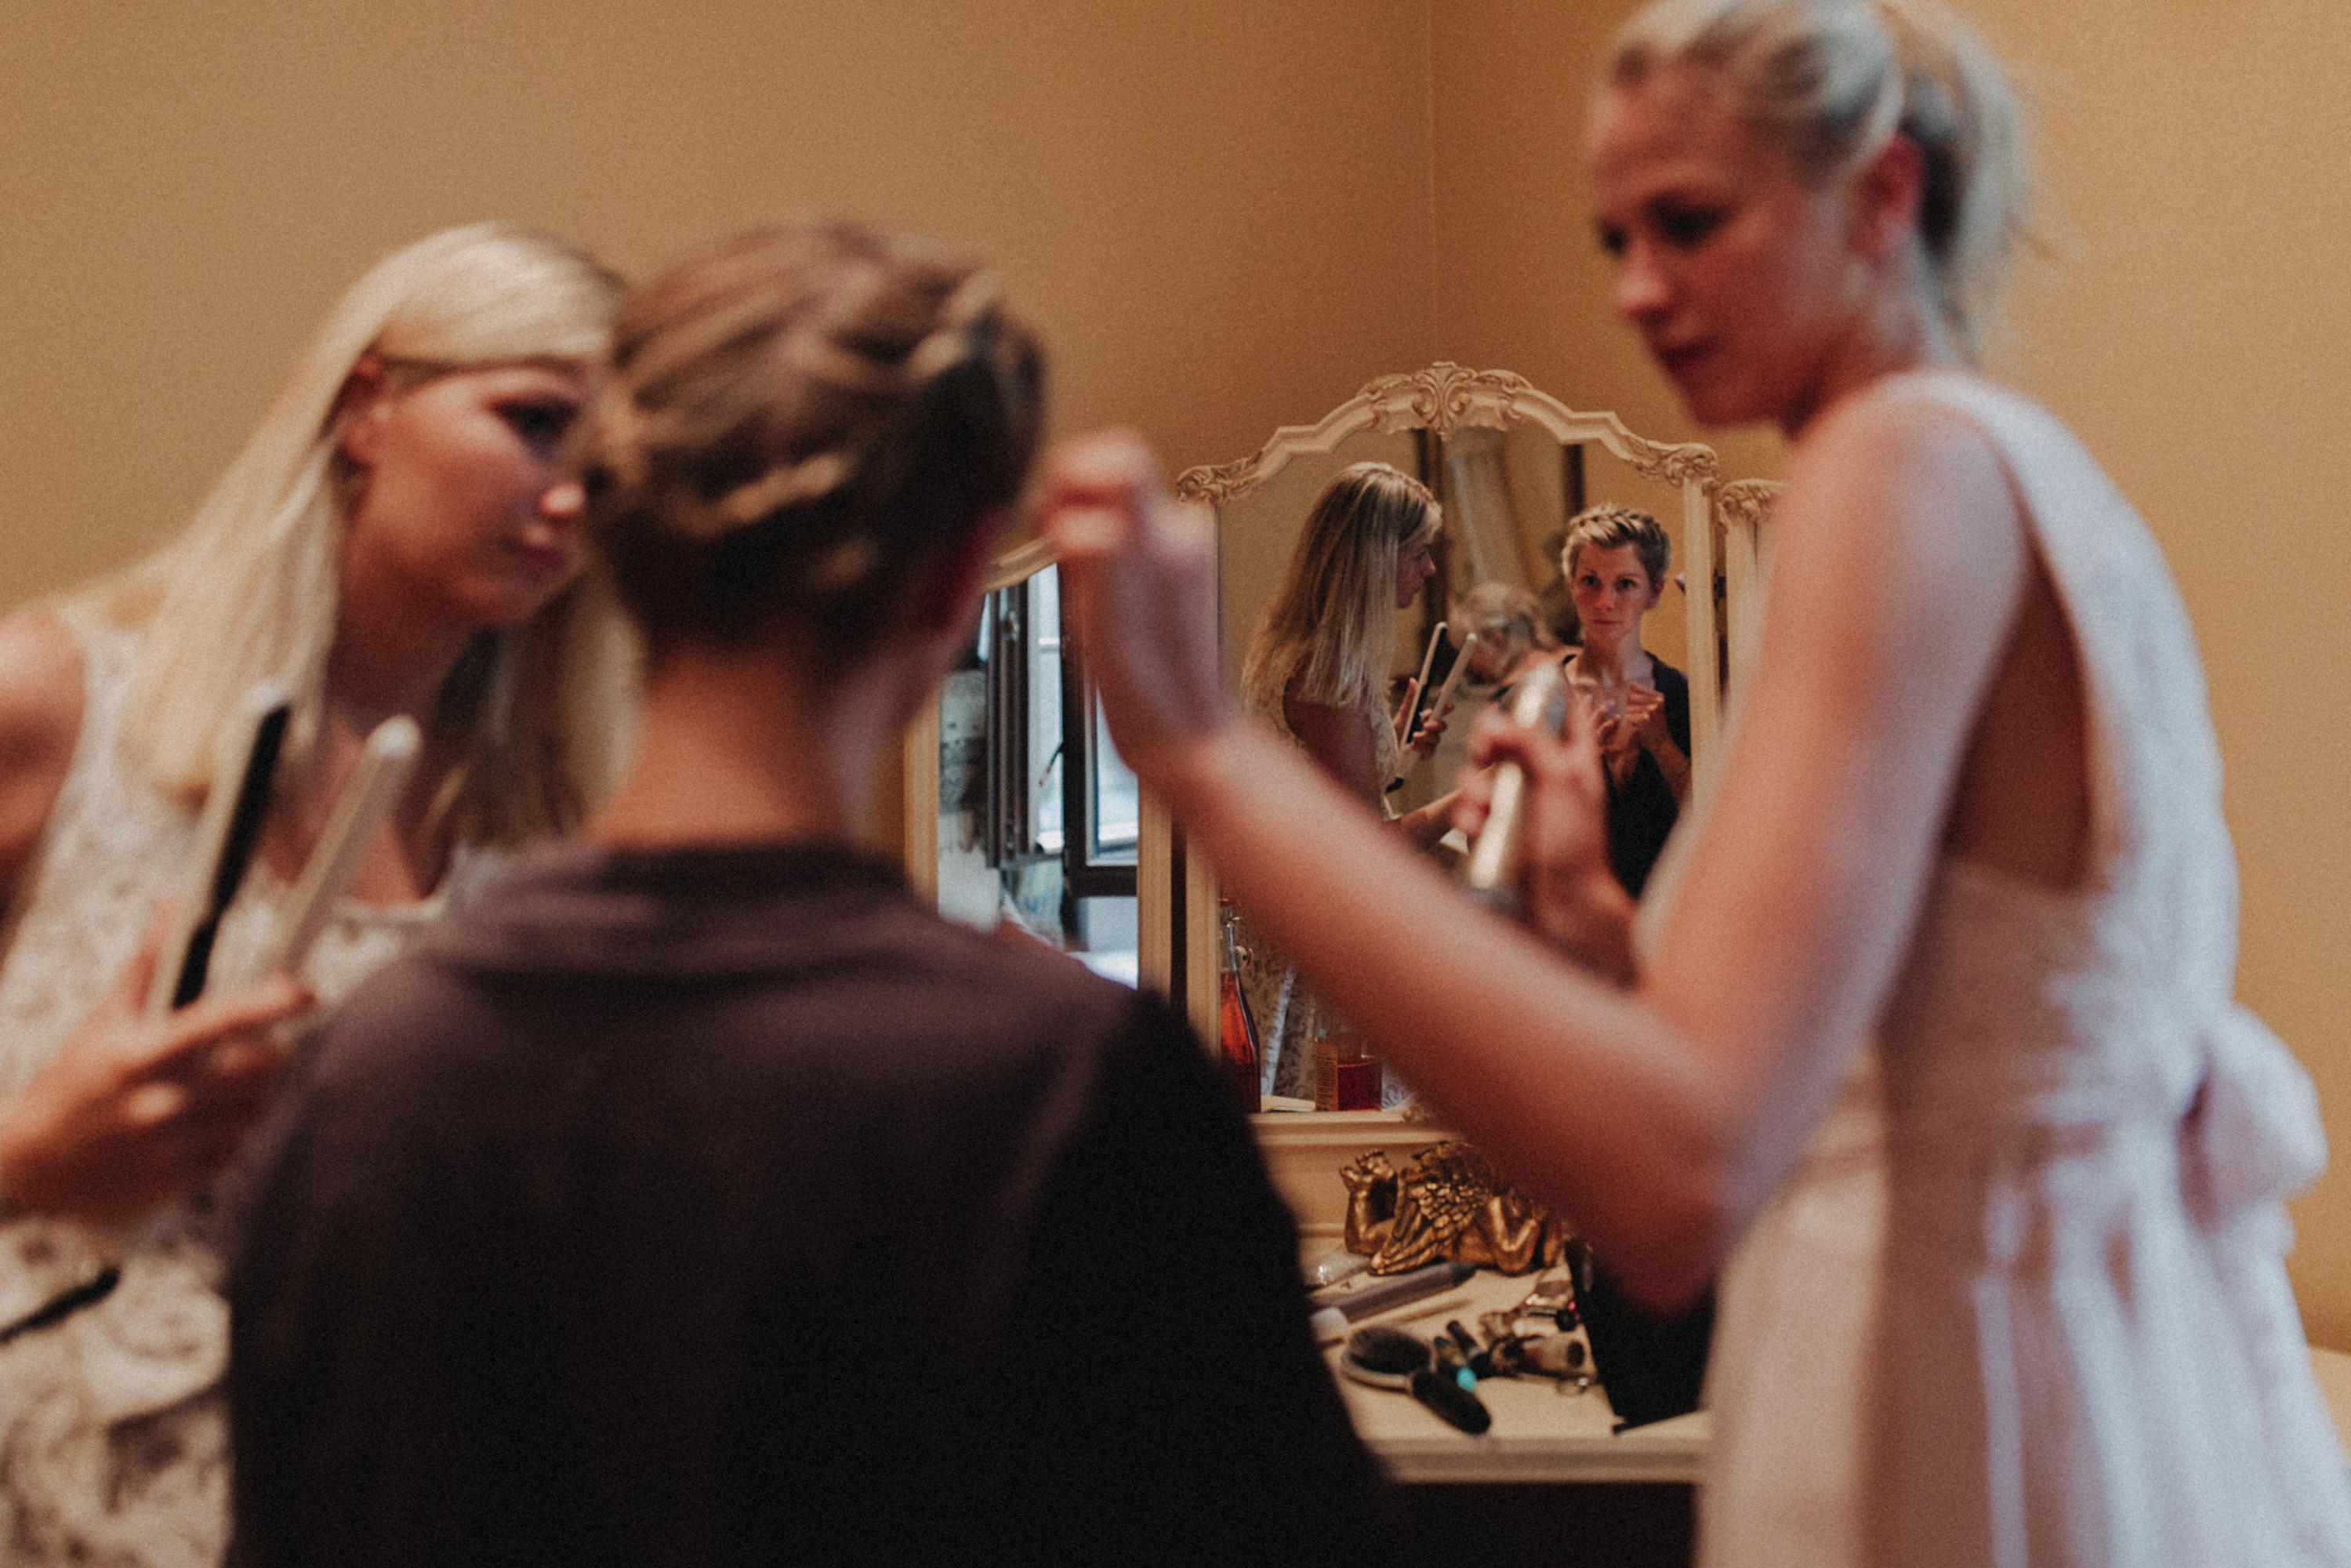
1446 1203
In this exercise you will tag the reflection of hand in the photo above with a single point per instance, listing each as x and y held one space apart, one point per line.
1644 718
1139 578
1432 724
134 1110
1567 891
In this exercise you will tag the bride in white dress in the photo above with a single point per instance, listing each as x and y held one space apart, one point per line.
1969 808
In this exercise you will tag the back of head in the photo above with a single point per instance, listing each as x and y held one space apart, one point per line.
251 588
1614 528
802 425
1830 81
1332 625
1507 617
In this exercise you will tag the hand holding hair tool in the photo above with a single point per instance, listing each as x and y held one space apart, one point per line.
1427 662
1408 716
1453 677
1492 856
226 836
385 763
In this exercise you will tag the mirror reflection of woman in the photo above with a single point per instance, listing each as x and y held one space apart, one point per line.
1318 672
403 535
1614 561
2045 1318
1318 667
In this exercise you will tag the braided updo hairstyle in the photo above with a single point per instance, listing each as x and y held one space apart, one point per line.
802 425
1830 81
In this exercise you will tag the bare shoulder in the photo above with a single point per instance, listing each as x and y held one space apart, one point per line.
1906 457
40 720
1915 496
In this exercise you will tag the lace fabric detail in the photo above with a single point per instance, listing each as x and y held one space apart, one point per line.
112 1435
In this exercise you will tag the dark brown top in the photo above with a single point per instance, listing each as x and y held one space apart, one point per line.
725 1206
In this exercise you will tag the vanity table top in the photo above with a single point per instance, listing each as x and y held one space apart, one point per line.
1542 1434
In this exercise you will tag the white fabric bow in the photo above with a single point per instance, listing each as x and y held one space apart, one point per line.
2253 1135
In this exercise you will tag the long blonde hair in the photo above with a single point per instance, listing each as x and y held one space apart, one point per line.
1332 627
251 588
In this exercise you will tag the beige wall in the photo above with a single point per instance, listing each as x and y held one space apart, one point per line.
1225 216
1217 211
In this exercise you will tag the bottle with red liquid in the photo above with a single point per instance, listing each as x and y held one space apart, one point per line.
1346 1073
1237 1052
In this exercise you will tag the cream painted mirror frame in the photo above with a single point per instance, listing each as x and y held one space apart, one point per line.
1446 397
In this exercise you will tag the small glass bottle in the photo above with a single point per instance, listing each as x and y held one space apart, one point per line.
1237 1052
1346 1074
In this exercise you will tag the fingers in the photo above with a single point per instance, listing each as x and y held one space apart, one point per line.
1105 490
1101 465
1473 801
127 997
192 1036
1080 533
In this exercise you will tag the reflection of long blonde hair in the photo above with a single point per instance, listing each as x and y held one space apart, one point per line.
1332 627
251 588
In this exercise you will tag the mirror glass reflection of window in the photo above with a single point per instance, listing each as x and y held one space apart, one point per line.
1039 816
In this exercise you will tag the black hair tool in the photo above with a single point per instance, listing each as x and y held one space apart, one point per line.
1384 1357
226 837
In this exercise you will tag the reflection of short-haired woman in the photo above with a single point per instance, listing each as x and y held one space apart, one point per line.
1318 668
1614 560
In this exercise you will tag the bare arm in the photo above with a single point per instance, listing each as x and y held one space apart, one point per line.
1340 738
1657 1117
40 720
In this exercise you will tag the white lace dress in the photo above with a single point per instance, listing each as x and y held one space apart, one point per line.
2024 1299
113 1444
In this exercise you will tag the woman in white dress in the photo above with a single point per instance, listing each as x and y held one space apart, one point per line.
1969 805
402 535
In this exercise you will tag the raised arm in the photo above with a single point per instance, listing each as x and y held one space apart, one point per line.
1657 1116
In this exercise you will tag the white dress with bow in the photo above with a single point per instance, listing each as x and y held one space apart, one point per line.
2024 1299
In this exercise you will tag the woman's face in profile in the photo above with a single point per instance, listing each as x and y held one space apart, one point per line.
469 514
1734 271
1415 566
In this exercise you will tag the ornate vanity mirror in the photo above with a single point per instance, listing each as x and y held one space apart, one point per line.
1509 466
1018 807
